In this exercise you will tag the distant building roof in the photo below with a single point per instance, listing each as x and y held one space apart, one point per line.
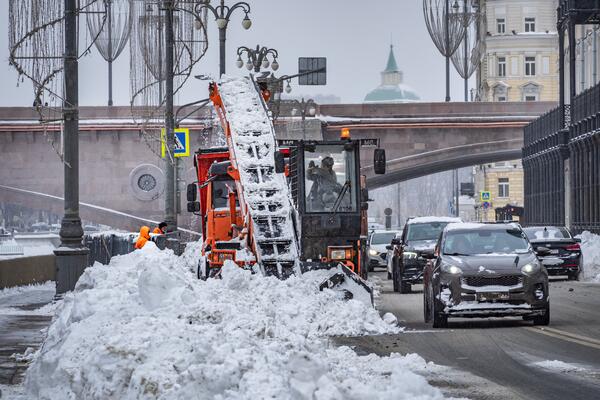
391 90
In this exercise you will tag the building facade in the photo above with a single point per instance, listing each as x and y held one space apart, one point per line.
504 182
520 61
561 153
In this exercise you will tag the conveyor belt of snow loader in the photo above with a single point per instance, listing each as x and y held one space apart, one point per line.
266 193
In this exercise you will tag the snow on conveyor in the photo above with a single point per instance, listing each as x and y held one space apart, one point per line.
265 192
144 328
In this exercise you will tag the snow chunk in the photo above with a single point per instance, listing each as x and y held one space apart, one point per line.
558 366
590 250
144 327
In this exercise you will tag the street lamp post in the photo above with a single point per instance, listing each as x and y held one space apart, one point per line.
222 14
305 107
257 58
71 256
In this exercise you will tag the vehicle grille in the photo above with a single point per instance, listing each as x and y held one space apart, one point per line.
507 280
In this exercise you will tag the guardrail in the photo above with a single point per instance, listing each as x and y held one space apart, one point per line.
11 250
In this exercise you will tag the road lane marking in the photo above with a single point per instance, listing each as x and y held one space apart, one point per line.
570 337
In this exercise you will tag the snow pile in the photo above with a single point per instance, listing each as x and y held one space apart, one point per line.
559 366
590 250
143 327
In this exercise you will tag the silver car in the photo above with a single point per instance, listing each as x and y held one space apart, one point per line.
377 248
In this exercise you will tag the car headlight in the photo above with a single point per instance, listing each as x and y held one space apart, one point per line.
451 269
410 255
372 252
530 268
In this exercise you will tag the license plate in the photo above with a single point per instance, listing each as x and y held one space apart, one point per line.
554 251
492 296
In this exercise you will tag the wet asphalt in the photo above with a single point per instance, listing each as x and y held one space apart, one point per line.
504 353
21 327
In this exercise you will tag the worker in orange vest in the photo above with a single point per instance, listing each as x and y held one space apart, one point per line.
143 238
161 229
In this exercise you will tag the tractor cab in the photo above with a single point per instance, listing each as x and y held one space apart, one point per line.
331 200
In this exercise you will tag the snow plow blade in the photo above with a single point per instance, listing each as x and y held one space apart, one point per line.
343 280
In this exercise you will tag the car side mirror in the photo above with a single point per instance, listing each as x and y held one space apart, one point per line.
428 254
577 240
379 161
396 242
542 251
192 192
279 162
193 206
389 247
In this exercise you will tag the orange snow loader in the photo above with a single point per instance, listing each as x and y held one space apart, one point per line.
323 198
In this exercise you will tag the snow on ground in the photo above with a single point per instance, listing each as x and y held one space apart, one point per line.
558 366
144 328
590 250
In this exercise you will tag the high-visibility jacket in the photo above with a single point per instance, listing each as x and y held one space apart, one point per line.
157 231
143 238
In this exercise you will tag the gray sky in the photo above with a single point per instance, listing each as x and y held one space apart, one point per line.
354 36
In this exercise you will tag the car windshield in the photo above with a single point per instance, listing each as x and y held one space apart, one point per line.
425 231
547 233
485 241
382 238
330 179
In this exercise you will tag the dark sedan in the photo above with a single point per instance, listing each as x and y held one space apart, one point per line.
485 270
564 256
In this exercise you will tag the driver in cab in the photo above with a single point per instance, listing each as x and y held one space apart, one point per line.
325 188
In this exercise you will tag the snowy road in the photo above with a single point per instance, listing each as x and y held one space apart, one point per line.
561 361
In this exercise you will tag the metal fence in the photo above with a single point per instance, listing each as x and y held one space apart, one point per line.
104 247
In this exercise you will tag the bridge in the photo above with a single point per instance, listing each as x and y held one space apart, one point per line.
424 138
116 159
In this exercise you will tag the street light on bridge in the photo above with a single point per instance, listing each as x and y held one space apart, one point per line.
222 14
257 58
305 107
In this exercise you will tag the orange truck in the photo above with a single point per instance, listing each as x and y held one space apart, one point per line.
326 190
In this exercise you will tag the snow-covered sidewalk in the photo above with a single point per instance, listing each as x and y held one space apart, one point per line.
144 328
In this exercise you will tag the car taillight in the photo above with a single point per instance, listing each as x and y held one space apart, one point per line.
573 247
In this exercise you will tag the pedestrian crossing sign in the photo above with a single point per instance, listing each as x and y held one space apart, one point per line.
182 143
485 196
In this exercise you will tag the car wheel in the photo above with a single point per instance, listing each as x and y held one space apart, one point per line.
405 287
426 309
396 278
574 276
543 319
440 320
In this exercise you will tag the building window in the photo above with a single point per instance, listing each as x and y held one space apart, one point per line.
530 66
501 66
501 25
501 98
530 24
503 187
530 92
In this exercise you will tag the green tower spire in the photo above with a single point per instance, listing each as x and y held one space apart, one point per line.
391 62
